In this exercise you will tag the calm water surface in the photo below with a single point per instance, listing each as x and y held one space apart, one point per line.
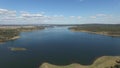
58 46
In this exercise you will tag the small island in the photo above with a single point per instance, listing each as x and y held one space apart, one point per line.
17 49
102 62
103 29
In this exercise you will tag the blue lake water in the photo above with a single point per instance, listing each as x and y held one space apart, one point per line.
58 46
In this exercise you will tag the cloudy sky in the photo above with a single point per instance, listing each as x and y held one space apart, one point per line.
59 11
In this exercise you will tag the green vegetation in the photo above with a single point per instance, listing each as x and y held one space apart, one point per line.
102 62
12 33
111 30
8 34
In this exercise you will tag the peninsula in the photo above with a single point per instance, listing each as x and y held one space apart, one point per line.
12 32
102 62
103 29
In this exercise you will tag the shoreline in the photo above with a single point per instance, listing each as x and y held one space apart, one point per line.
100 33
12 33
14 38
101 62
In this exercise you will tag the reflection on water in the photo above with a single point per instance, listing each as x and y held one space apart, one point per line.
57 46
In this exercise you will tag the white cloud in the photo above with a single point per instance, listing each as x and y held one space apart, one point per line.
72 16
79 17
23 17
3 11
94 17
31 15
101 15
104 18
7 12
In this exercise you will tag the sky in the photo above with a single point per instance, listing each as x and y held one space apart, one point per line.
59 11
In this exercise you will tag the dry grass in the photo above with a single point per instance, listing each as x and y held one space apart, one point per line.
102 62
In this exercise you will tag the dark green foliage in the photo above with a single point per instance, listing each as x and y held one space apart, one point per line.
6 34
